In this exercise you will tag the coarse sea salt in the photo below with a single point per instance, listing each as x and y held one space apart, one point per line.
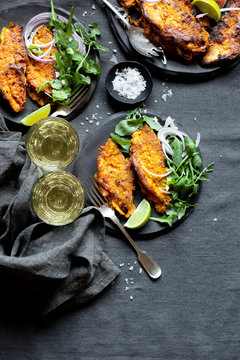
129 83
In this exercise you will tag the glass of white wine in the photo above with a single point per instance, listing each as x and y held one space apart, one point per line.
58 198
52 143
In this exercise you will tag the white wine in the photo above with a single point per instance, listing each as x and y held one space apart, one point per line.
58 198
52 143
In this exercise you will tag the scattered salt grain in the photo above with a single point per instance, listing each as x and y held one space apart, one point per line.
93 7
97 123
87 130
126 288
155 101
130 297
121 265
131 268
114 59
114 51
215 219
82 123
97 106
220 156
129 83
85 13
140 270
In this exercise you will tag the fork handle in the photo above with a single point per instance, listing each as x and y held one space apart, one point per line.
152 269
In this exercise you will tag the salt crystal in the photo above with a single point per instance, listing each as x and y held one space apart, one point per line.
126 280
114 59
215 219
86 118
85 13
87 130
90 121
155 101
140 270
122 264
164 97
220 156
82 123
130 297
97 106
129 83
131 268
114 51
126 288
110 42
93 7
97 123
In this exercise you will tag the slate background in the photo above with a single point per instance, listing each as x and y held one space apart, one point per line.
192 312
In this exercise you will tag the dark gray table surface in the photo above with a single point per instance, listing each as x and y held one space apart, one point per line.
193 311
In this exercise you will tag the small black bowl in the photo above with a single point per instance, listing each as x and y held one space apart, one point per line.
122 99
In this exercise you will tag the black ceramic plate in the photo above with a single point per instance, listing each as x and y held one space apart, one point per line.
86 166
175 68
21 14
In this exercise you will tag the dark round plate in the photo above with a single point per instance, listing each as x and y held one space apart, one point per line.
86 166
176 68
21 14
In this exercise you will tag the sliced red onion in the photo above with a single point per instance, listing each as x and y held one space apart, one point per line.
157 175
198 139
164 191
151 1
229 9
200 15
43 19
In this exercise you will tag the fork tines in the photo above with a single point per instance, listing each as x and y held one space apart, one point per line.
77 94
91 188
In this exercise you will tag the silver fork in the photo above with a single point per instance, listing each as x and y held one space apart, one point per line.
76 97
92 191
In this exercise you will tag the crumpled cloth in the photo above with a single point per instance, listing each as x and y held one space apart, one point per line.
65 265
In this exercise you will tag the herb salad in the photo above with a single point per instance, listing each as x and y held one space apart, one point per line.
183 160
72 61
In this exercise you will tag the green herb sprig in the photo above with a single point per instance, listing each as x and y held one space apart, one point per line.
132 122
184 179
74 68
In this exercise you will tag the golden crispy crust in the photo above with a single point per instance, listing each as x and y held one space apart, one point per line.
173 25
147 156
38 72
224 43
13 61
116 178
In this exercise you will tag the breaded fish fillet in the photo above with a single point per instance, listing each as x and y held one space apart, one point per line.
224 43
13 61
147 157
115 178
173 25
39 72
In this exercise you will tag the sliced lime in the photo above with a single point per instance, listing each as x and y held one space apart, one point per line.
140 216
210 7
36 115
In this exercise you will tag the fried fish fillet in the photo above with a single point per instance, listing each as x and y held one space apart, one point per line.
172 25
39 72
148 160
13 61
115 178
224 43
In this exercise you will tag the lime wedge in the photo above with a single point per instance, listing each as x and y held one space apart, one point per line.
210 7
36 115
140 216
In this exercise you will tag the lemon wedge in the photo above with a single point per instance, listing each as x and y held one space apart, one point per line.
36 115
210 7
140 216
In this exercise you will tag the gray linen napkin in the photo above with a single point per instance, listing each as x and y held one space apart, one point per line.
66 265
